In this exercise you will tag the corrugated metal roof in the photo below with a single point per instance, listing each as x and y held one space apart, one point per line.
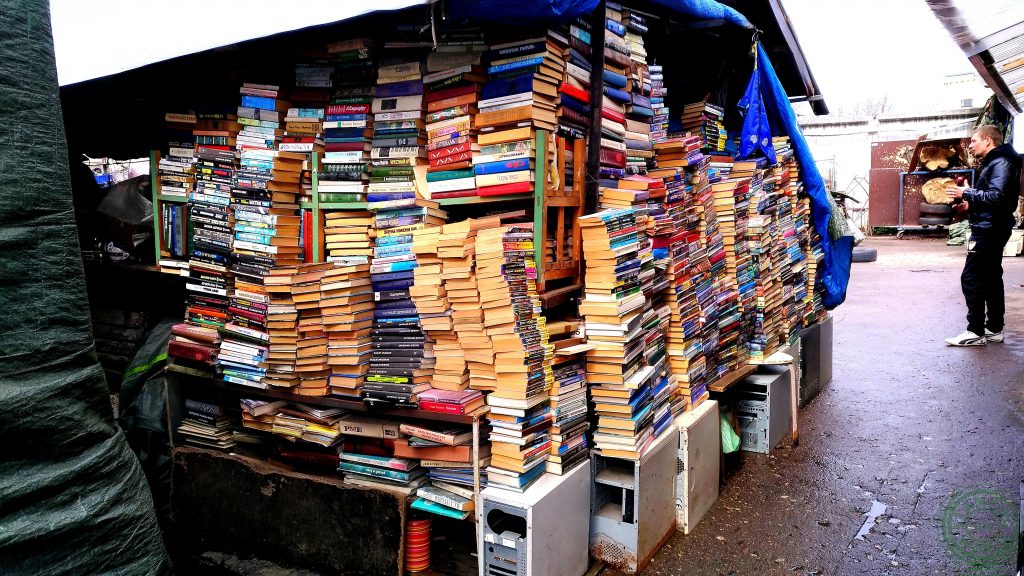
991 34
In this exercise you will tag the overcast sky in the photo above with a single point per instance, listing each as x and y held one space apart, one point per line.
869 48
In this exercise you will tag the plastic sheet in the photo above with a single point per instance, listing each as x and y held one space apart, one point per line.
72 496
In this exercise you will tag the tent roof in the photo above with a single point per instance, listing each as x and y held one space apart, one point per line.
991 34
103 37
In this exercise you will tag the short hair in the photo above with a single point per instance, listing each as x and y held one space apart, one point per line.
991 132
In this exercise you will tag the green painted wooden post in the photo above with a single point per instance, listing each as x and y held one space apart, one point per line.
154 188
539 179
317 231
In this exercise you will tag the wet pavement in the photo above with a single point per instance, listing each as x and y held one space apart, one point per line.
929 438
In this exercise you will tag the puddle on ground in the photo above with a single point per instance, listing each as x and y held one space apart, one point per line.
877 509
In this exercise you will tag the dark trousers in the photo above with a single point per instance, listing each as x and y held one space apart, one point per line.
982 281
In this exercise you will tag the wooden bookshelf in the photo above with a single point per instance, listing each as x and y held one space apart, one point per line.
482 199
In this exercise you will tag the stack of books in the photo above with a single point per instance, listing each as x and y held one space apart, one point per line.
661 113
574 91
176 168
613 309
521 94
444 452
282 330
451 97
714 285
346 306
376 471
206 425
705 119
311 363
731 205
210 281
688 266
348 237
395 377
259 414
177 180
794 270
506 274
343 174
315 425
569 415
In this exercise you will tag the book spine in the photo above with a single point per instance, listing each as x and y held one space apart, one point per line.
443 407
373 471
428 434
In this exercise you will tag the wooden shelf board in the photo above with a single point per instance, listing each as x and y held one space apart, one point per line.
730 378
481 199
178 199
342 205
330 401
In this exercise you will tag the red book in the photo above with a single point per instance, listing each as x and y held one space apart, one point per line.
612 157
454 194
573 91
450 93
613 115
444 167
188 351
307 235
348 109
344 146
448 151
503 189
449 161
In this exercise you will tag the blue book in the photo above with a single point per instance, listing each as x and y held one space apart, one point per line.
391 240
397 89
260 102
439 509
391 285
506 86
513 65
614 27
614 79
515 165
365 470
383 276
617 95
401 266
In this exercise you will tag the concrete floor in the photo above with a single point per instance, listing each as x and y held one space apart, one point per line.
907 422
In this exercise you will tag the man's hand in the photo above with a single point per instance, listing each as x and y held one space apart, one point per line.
961 207
955 191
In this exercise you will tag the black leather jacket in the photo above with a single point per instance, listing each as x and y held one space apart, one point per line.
995 193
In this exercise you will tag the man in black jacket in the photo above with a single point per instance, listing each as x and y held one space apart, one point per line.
989 206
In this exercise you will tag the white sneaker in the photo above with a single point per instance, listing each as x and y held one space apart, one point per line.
991 336
968 338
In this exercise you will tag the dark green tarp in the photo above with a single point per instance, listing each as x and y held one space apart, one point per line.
72 496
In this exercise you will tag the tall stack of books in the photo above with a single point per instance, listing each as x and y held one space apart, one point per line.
639 149
265 200
661 113
794 271
177 180
506 274
395 374
735 305
311 362
574 92
613 309
282 328
348 122
705 119
569 415
210 280
521 95
714 282
346 306
451 97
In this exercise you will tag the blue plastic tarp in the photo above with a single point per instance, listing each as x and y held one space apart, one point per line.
776 107
702 12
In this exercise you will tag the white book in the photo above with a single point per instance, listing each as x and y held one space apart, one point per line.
452 185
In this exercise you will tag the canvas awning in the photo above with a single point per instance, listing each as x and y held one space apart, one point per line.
103 37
